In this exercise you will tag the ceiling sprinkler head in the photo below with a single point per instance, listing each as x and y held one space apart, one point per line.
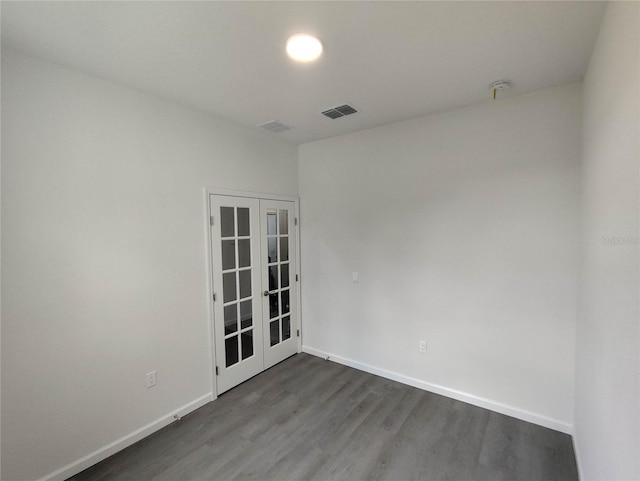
499 86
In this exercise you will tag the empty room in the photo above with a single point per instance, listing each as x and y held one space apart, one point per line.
349 240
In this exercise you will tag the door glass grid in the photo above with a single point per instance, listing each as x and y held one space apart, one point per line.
235 231
278 268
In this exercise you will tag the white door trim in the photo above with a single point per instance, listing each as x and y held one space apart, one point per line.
208 191
253 195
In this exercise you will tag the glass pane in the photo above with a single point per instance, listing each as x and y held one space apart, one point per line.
226 222
273 278
244 252
231 350
286 328
273 306
271 223
230 319
243 221
229 286
284 222
284 275
274 332
272 249
246 338
245 283
284 248
285 301
246 317
228 254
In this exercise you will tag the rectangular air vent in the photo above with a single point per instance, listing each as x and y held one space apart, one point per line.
341 111
274 126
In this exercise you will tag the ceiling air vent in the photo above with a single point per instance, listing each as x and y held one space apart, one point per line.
274 126
341 111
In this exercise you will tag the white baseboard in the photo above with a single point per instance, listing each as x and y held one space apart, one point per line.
498 407
125 441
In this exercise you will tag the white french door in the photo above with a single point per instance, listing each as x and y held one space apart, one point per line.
278 277
235 253
255 296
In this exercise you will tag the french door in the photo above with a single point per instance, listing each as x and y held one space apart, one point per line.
254 270
278 277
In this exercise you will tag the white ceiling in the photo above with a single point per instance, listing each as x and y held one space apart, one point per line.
391 60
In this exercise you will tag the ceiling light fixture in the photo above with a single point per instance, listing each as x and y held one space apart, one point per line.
303 48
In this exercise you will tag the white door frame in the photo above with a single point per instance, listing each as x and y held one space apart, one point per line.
208 191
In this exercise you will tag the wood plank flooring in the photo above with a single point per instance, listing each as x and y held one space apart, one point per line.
310 419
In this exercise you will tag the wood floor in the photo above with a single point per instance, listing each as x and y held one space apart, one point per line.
310 419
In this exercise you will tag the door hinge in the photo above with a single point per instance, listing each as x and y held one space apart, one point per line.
296 277
211 220
295 221
298 332
214 297
217 371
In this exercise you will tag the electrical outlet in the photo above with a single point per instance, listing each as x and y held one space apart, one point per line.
423 346
355 277
151 379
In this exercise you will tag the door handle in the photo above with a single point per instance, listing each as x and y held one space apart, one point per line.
266 293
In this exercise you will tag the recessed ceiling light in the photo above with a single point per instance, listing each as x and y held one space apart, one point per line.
303 48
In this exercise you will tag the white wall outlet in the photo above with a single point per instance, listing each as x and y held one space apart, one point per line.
151 379
422 346
355 277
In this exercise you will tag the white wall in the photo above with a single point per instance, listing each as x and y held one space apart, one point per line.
607 413
104 270
463 227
